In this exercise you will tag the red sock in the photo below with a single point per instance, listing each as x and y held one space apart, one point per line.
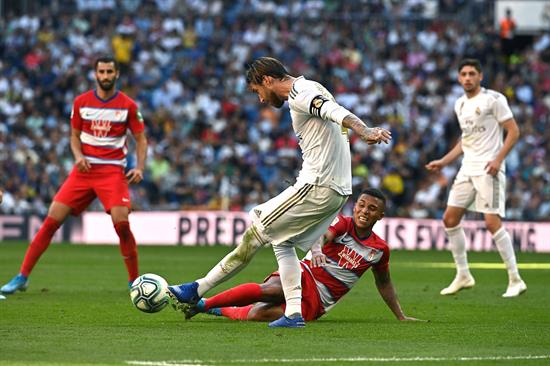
39 245
236 313
241 295
128 248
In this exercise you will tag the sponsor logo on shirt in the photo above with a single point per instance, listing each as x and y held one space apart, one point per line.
100 128
349 258
470 127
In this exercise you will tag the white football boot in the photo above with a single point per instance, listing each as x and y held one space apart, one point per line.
515 289
458 284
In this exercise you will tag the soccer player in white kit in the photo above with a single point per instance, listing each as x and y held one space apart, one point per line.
301 214
480 183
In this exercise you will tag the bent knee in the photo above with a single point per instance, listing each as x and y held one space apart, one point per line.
272 292
493 224
451 220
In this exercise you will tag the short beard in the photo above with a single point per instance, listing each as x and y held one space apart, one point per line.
108 87
275 101
278 103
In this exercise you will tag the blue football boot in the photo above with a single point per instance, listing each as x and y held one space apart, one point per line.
286 322
18 283
185 293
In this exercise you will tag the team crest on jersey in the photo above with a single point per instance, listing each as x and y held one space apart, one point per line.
478 111
100 128
371 256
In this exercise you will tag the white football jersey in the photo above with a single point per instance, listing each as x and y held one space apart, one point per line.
324 142
480 119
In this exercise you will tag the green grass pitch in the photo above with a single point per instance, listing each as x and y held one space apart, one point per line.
77 311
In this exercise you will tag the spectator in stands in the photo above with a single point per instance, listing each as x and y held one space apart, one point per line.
44 54
507 32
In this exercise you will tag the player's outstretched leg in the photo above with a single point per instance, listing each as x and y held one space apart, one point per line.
18 283
286 322
230 265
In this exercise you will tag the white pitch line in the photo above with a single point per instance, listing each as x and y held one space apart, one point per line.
338 359
472 265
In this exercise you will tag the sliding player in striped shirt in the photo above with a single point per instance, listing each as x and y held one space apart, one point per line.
100 119
328 272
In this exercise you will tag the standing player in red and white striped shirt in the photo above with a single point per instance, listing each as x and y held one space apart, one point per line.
100 120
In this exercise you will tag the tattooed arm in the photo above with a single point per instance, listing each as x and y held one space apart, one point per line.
371 135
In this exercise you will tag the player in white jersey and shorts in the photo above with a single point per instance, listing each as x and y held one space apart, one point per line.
301 214
480 183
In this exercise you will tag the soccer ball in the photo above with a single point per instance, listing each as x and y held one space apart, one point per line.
149 293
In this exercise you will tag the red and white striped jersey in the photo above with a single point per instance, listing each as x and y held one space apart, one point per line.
104 124
348 257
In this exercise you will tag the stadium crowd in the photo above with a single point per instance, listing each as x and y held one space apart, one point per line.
213 147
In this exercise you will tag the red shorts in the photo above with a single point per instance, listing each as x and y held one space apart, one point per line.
109 184
311 302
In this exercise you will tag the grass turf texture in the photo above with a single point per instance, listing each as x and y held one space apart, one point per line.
77 311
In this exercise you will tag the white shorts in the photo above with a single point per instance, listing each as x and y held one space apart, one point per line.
482 193
298 216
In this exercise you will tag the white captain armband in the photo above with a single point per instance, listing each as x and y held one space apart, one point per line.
316 104
322 107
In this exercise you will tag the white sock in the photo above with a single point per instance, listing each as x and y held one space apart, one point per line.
506 250
291 278
232 263
457 241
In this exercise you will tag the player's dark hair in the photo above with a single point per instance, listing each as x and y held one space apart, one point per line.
265 66
474 62
374 193
106 59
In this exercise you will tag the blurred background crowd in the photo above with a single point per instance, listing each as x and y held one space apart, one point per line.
213 146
